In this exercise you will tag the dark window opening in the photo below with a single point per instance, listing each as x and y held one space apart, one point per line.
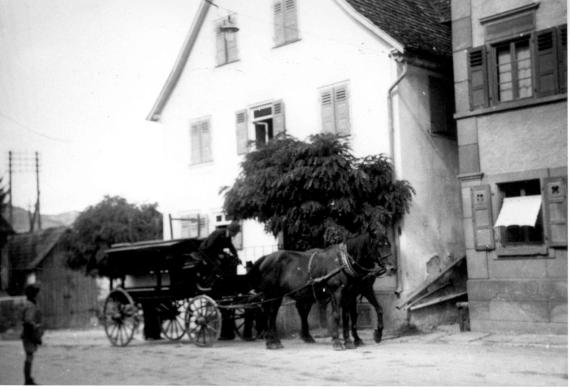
263 132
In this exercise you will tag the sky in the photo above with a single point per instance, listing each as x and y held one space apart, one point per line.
77 79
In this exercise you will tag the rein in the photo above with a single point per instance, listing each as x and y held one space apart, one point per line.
356 270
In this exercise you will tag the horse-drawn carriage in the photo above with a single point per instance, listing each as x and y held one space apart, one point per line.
163 276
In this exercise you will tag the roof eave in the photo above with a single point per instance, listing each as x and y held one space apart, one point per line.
183 55
366 23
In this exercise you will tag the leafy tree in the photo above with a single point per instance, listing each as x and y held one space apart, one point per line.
317 192
110 221
3 195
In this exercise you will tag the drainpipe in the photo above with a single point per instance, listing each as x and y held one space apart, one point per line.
395 229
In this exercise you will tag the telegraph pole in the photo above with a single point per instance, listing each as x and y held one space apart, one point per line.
10 210
38 191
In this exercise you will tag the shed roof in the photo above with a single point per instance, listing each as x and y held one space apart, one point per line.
28 250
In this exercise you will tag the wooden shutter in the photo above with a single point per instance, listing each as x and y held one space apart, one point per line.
291 30
546 63
478 77
206 142
327 111
278 22
232 42
241 131
195 157
220 47
482 218
555 207
278 117
341 110
562 59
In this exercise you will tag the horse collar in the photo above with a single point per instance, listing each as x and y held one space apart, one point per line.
345 261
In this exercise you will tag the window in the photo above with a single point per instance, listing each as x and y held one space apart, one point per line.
530 66
527 206
335 110
268 121
194 225
285 21
226 40
200 142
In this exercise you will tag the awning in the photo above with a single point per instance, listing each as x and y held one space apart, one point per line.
519 211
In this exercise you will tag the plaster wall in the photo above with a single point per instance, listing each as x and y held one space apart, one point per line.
523 140
430 163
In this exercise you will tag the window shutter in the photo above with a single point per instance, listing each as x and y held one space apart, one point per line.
195 143
291 31
241 131
478 77
220 47
278 117
232 42
546 63
482 218
327 111
206 142
341 110
555 207
278 22
562 59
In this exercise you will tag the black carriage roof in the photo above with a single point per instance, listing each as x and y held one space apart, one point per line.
145 256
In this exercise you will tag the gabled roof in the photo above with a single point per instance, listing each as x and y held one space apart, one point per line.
27 251
420 27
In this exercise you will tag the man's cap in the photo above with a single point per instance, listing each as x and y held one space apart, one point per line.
234 227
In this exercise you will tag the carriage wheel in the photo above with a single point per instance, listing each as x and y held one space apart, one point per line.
120 316
203 321
172 319
239 324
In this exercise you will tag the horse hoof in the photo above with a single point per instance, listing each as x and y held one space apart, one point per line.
308 339
338 346
358 342
378 335
349 345
274 346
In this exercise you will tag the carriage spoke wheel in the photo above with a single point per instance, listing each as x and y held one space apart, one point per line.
120 316
172 319
240 324
203 321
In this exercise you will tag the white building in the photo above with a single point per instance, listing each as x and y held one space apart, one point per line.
378 70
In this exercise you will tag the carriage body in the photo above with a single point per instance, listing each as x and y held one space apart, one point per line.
162 277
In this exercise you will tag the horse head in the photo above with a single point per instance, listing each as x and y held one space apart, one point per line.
372 251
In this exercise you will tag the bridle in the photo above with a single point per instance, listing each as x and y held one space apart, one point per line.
354 269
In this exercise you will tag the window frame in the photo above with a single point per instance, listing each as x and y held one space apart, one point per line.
203 157
280 29
334 107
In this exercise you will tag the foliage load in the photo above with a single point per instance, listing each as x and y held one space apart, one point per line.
111 221
317 192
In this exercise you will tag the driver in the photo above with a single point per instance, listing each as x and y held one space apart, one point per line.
212 248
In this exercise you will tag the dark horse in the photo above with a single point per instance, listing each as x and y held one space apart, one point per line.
317 275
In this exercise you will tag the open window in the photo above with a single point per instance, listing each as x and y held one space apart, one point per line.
267 121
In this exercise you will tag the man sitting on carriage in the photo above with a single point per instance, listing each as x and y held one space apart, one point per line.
212 255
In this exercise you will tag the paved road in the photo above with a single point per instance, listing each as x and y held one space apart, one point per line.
436 359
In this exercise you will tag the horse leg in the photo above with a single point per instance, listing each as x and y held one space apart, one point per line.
304 308
272 339
371 297
353 320
334 320
346 310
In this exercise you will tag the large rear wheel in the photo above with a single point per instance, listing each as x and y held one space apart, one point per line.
203 321
120 316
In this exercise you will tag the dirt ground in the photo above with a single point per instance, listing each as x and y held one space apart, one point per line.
436 359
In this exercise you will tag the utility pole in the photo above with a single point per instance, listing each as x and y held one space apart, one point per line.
37 211
10 210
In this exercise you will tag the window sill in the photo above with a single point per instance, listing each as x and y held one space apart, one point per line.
227 63
514 105
521 250
201 164
286 43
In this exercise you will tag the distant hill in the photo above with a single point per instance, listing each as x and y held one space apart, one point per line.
21 223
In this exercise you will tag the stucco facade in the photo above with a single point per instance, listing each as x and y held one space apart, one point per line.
336 46
506 144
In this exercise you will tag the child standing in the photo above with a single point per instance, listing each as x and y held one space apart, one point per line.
32 330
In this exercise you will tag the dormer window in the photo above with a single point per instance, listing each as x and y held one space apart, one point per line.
226 40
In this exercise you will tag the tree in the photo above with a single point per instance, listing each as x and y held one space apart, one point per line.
110 221
317 192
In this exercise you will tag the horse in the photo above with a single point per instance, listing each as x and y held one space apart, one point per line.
314 275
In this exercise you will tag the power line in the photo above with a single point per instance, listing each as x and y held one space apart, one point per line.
34 131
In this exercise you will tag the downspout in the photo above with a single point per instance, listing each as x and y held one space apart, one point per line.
395 229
